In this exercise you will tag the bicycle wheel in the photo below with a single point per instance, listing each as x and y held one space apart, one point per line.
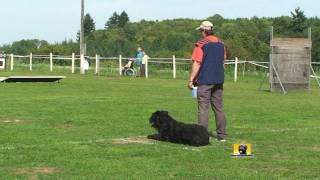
130 72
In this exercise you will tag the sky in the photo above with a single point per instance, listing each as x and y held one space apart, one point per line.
57 20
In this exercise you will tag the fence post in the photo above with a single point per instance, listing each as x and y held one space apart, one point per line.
30 61
51 62
146 68
174 66
11 62
97 64
72 63
236 69
309 33
82 64
120 65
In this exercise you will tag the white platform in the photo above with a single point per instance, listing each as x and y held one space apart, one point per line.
3 78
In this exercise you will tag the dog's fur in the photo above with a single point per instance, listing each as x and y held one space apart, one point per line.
177 132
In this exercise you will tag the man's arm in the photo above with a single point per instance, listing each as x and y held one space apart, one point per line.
197 56
194 73
225 57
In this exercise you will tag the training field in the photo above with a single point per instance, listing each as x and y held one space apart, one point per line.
90 127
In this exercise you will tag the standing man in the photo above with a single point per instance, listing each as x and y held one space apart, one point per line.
208 74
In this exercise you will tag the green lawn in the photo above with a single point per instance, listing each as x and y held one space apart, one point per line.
67 130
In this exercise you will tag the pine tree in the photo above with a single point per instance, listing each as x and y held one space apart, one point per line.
123 19
113 21
298 23
89 25
117 21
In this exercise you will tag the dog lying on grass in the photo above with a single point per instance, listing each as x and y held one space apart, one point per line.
177 132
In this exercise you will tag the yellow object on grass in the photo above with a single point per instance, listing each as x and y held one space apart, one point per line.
242 150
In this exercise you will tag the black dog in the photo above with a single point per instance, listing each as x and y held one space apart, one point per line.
177 132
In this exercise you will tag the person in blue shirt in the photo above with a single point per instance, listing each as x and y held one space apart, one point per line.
139 60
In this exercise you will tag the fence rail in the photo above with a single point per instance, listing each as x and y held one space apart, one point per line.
168 65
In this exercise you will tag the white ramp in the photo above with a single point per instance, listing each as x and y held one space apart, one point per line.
3 79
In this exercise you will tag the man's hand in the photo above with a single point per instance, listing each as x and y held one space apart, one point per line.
190 85
193 74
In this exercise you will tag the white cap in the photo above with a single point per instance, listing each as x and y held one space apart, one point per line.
205 25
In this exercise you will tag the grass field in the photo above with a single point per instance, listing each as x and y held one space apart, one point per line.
76 129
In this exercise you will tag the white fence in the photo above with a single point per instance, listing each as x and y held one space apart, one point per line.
72 63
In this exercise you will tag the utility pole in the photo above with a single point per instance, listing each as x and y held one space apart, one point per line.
82 46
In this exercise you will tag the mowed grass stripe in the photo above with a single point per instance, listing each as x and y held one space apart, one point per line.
70 126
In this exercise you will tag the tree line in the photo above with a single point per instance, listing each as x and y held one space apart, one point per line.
246 38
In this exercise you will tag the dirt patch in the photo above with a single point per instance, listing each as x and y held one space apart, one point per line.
133 140
33 173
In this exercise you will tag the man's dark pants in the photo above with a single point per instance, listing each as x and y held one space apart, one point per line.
142 70
212 94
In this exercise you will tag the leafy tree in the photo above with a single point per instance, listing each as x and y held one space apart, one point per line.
26 46
216 19
282 26
175 42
